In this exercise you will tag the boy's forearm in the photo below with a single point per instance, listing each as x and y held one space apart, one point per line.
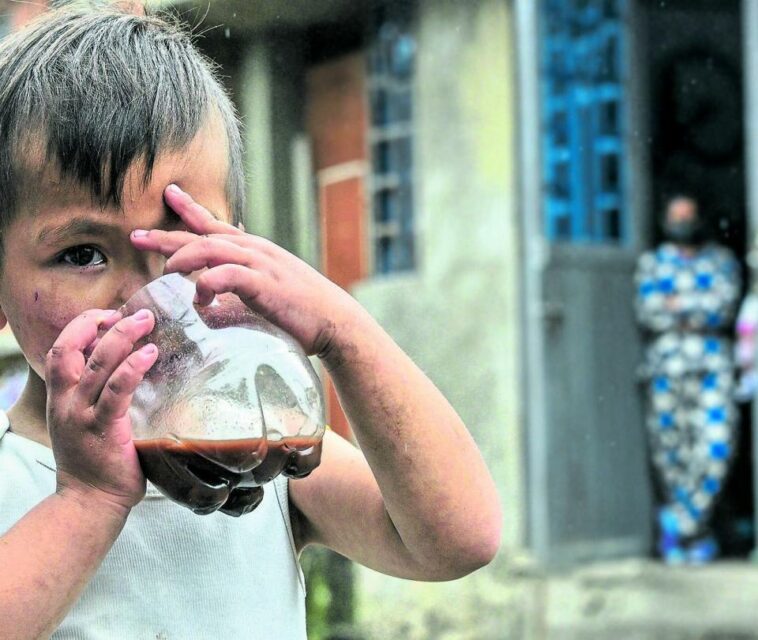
434 483
48 557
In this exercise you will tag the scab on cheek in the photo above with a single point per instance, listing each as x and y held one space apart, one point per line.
49 313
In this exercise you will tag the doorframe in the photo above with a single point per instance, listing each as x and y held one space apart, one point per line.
534 255
642 207
536 252
749 11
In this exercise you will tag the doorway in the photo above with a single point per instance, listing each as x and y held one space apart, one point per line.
694 60
588 487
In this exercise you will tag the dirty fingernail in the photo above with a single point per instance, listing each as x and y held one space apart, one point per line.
108 313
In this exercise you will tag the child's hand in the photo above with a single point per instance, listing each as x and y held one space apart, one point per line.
393 505
269 279
88 401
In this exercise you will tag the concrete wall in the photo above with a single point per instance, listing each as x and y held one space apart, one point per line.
270 104
457 316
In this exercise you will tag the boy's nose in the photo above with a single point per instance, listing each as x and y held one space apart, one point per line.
136 277
127 290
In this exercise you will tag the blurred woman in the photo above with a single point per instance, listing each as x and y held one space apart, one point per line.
687 294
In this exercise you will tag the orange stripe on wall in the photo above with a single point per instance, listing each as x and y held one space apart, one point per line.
337 121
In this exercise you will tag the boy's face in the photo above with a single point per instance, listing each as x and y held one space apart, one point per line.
63 254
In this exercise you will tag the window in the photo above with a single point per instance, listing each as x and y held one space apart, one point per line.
582 85
391 70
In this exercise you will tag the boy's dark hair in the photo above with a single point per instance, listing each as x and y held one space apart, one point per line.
96 90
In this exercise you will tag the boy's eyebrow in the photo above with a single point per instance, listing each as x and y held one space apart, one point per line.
83 226
73 227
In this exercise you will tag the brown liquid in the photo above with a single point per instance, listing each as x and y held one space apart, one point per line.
211 475
295 457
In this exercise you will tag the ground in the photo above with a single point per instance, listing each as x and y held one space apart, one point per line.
629 600
646 600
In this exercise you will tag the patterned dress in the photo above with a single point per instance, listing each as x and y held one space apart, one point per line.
686 303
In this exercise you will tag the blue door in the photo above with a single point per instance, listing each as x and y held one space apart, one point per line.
589 490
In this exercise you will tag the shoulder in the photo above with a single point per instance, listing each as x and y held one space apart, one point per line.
647 260
4 424
664 252
27 475
659 261
716 249
720 254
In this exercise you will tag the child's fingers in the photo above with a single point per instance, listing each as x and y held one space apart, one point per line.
117 393
229 278
195 216
168 243
65 360
207 253
105 325
111 351
112 317
163 242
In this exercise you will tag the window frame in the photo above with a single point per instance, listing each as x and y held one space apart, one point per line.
576 95
391 139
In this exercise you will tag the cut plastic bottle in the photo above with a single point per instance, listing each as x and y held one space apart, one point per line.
231 402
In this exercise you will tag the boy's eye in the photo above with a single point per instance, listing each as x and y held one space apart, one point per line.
82 256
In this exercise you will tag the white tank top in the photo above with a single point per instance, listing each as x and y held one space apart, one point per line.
171 574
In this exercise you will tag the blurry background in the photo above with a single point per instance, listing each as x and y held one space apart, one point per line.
482 175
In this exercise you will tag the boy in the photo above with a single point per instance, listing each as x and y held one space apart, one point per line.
107 123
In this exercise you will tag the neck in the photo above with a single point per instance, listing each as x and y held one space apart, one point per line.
28 417
687 248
